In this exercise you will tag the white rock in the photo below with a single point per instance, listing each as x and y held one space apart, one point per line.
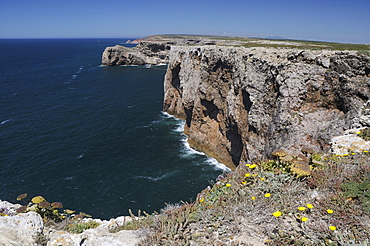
20 229
348 143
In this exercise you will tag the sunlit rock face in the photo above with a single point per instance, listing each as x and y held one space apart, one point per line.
146 52
240 104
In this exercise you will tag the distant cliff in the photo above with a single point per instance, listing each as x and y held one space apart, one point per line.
240 104
153 50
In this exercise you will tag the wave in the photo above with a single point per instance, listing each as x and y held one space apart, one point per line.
5 121
188 152
166 175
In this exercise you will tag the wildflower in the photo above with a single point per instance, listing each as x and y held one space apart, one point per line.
309 205
366 151
277 214
254 175
359 132
243 182
333 228
262 179
228 185
247 175
304 219
253 198
301 208
247 165
353 153
345 155
201 199
267 195
330 211
252 166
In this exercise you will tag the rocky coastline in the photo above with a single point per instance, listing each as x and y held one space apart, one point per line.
240 104
242 101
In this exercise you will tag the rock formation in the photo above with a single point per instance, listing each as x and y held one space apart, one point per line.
240 104
26 229
144 53
152 50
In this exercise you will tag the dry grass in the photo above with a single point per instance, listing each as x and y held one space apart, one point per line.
237 209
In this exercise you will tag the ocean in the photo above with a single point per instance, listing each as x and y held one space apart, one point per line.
92 137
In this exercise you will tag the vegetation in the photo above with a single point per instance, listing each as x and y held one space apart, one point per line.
363 49
268 203
53 215
80 227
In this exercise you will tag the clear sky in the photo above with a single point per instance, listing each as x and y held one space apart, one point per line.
324 20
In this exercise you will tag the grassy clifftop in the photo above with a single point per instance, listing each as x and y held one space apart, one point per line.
274 43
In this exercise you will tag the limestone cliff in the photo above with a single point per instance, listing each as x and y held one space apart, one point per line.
152 50
153 53
240 104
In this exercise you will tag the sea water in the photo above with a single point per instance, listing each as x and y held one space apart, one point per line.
92 137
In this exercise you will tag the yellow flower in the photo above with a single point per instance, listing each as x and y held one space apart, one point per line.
253 198
247 165
330 211
345 155
228 185
277 214
201 199
353 153
243 182
262 179
333 228
267 195
304 219
301 208
252 166
359 132
365 151
309 205
247 175
254 175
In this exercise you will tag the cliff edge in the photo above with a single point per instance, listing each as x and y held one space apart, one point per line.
240 104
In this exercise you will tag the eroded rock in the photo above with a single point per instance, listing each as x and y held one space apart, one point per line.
240 103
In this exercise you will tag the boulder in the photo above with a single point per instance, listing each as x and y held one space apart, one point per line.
21 229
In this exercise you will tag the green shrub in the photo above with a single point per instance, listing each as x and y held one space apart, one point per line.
360 191
80 227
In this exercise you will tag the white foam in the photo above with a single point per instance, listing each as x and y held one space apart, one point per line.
180 127
81 156
217 165
5 121
189 152
166 175
167 115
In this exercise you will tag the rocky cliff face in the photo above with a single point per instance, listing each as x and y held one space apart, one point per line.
145 52
153 50
240 104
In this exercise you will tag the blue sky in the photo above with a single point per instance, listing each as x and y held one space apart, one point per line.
324 20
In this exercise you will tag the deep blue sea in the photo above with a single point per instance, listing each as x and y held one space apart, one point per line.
90 136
